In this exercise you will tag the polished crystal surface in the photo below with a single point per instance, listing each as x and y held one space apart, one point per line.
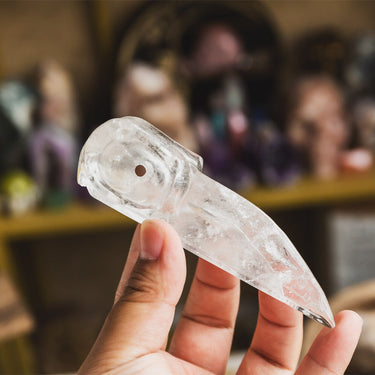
134 168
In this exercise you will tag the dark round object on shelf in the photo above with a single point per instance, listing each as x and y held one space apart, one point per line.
165 33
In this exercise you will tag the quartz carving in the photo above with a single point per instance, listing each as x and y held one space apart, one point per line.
134 168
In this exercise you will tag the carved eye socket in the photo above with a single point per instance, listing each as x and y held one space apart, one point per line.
140 170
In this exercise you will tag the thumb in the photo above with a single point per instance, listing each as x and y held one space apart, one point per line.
141 318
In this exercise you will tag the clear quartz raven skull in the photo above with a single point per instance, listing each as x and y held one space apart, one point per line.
136 169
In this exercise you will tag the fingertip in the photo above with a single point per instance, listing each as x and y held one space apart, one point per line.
171 241
349 316
348 320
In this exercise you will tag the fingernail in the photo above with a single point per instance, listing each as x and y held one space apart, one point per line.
151 240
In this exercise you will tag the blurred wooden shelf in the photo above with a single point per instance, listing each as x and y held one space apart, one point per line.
76 217
348 188
80 217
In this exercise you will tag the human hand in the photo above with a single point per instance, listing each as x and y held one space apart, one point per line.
134 337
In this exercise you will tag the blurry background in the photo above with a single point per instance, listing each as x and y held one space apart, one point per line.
277 96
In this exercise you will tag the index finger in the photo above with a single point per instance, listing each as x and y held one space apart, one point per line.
277 340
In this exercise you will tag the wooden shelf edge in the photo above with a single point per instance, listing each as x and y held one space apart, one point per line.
78 217
310 192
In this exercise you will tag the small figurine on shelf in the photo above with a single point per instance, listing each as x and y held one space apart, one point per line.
361 157
17 103
217 103
18 193
360 80
276 159
232 140
317 125
148 92
53 146
223 132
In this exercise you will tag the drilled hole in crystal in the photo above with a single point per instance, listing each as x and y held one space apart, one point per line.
140 170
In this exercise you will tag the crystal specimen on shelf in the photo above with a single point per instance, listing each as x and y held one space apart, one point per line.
134 168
